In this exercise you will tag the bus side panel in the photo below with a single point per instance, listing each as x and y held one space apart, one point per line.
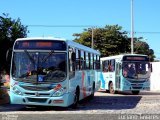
106 78
84 80
73 83
89 78
79 81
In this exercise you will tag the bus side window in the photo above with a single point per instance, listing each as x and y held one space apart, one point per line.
98 63
93 61
78 59
113 65
82 60
79 56
105 66
87 60
72 60
109 66
77 65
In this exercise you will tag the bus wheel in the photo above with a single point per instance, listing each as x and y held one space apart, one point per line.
76 100
135 92
111 88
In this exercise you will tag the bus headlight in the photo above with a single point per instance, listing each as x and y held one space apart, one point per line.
16 91
59 92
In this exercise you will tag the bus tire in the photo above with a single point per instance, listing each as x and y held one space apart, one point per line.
135 92
111 88
76 99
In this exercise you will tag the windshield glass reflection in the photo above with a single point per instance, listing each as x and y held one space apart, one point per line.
39 66
136 70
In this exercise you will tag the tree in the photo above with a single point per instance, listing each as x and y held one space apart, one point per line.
112 40
10 30
141 47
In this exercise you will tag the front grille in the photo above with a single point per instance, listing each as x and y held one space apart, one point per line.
39 94
137 81
46 81
137 87
36 88
40 100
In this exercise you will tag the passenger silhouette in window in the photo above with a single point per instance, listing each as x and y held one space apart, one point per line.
131 71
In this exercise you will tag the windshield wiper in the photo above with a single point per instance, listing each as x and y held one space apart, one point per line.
29 56
49 54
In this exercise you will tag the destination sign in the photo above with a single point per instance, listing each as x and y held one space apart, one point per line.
40 45
135 58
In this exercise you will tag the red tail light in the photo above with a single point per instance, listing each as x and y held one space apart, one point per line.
58 101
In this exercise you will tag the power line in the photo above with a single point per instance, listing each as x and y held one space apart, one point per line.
138 32
93 26
61 25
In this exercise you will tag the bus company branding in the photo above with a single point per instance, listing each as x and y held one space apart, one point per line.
37 94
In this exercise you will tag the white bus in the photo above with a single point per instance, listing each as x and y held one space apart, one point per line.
53 72
129 72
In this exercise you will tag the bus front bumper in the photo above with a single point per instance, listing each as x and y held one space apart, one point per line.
137 86
61 101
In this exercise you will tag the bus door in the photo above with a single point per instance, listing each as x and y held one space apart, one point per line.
118 77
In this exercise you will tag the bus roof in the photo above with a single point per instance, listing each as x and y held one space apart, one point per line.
40 38
82 47
120 56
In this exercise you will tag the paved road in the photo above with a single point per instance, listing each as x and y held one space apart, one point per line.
121 106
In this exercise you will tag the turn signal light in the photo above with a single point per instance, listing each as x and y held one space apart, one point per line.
57 87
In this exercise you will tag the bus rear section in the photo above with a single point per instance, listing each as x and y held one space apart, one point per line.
129 73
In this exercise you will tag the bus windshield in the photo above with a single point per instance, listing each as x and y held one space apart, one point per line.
39 67
136 70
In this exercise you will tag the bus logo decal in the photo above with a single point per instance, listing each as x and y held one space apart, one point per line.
37 94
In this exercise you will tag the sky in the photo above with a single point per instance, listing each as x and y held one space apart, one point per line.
63 18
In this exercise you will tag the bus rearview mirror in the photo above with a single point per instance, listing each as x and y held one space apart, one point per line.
8 54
